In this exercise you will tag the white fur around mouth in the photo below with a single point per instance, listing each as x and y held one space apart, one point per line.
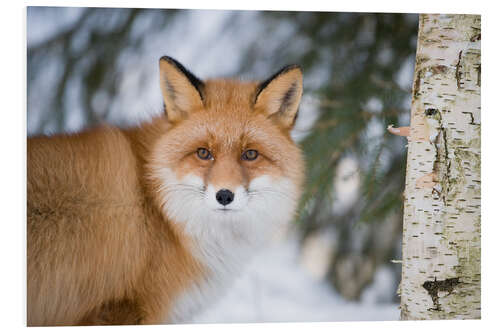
227 210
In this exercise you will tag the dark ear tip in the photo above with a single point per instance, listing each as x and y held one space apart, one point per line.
169 60
291 67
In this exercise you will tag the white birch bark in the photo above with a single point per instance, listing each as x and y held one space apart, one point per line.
441 276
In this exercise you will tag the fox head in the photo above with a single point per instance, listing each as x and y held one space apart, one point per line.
227 166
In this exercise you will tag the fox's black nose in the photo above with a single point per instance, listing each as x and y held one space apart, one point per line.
224 197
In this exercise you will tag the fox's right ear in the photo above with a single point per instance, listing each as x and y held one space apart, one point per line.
279 96
182 91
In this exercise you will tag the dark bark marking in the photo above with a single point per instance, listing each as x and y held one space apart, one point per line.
433 287
458 75
475 38
478 68
416 84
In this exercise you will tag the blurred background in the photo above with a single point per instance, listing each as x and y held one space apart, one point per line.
93 65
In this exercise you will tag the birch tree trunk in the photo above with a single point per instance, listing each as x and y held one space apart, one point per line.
441 276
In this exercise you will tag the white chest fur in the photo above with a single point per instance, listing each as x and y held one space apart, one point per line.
222 263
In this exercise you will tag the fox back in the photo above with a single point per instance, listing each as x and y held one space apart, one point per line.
149 224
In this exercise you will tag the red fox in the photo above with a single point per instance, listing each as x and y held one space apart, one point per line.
147 225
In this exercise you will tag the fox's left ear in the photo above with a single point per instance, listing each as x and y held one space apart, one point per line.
279 96
182 91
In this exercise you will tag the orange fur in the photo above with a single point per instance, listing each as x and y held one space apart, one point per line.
100 248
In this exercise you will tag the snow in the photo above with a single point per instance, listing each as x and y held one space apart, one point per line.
276 288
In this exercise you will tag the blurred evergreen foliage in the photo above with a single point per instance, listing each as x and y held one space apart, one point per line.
354 65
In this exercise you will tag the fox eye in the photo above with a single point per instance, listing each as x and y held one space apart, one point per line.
250 155
204 154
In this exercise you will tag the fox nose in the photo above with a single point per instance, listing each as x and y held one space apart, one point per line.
224 197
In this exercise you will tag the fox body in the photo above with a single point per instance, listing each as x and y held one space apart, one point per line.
146 225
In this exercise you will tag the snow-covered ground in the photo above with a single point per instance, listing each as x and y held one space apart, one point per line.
275 287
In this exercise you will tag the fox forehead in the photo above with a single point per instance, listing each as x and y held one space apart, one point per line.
221 94
226 134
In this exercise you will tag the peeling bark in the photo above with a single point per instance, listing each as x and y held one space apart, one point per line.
441 275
